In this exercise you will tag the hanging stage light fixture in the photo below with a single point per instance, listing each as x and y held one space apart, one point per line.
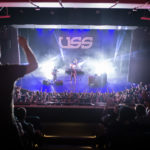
5 16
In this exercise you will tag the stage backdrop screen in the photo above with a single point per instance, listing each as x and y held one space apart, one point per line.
85 45
96 52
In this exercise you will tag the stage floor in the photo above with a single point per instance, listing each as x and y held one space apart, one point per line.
34 83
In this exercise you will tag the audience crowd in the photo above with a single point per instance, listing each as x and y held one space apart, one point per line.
125 126
137 94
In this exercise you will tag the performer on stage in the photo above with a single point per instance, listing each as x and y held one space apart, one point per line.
73 70
54 73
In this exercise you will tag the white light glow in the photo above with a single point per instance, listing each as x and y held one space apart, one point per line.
100 66
46 67
104 67
119 27
80 64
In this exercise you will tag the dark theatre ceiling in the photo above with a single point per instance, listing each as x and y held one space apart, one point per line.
75 12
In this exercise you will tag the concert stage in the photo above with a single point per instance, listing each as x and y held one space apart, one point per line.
33 83
95 55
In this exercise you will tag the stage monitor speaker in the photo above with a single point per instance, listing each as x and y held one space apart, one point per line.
45 82
98 80
59 82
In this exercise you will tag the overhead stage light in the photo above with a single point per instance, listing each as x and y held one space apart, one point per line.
37 8
5 16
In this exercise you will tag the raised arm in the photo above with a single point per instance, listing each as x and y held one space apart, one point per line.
33 64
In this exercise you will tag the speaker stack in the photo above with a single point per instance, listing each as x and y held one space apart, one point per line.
97 80
45 82
59 82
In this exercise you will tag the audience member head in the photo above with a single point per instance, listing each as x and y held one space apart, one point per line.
147 102
140 110
21 113
126 114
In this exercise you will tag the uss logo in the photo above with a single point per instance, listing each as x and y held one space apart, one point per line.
76 42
